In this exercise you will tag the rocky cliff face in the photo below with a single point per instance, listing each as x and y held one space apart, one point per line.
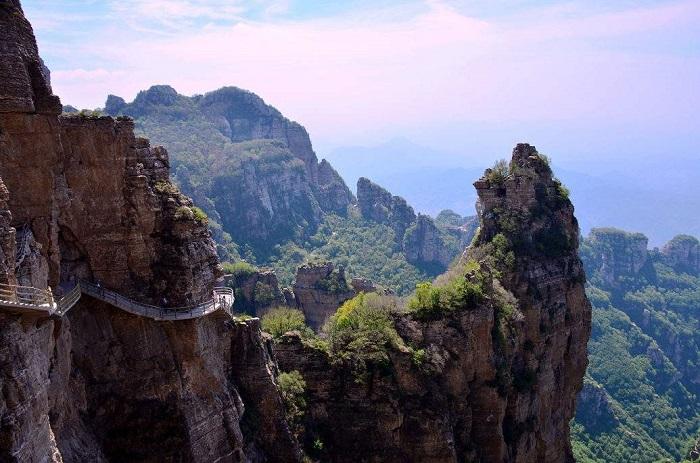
319 289
333 194
99 384
267 186
256 292
377 204
683 254
422 242
619 263
494 382
7 240
618 253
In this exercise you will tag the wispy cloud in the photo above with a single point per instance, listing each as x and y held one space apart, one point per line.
400 69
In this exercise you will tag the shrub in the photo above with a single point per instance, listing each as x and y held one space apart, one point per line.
164 187
333 283
292 388
498 173
362 331
281 320
502 252
239 269
562 190
463 290
183 213
199 215
419 357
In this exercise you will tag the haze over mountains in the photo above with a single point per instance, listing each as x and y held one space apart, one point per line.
659 197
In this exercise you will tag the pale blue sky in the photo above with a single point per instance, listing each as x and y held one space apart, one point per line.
592 79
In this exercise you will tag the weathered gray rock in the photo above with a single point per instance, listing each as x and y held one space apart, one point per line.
620 254
333 194
319 290
424 244
683 254
7 240
256 292
595 411
379 205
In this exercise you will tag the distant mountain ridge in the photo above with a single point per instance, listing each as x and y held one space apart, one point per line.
631 197
254 171
256 175
639 401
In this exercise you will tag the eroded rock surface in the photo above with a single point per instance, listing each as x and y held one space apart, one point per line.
93 201
489 386
424 244
683 254
319 290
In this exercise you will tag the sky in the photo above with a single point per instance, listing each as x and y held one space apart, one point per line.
584 80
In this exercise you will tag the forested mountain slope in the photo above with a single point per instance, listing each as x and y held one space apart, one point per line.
271 202
640 398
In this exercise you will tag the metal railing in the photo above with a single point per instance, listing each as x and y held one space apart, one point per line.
27 297
68 301
42 300
223 299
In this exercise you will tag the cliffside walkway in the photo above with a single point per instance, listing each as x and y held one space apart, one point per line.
25 299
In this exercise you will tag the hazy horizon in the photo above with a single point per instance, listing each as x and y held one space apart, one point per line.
583 81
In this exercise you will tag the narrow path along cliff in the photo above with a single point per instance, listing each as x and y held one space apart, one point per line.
482 365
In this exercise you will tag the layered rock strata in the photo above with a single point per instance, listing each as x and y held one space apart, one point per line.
495 382
319 289
93 201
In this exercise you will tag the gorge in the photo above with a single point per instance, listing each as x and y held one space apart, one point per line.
484 364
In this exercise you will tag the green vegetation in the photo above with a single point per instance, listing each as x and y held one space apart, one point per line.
562 191
364 248
90 114
643 352
292 387
282 320
168 188
431 301
333 283
361 333
199 215
183 213
498 172
240 269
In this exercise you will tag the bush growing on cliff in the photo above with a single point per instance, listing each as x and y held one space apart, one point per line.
168 188
281 320
238 269
362 331
499 172
333 283
199 215
292 388
464 288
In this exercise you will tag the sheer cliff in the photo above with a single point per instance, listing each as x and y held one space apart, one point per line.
252 170
82 197
644 349
484 365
